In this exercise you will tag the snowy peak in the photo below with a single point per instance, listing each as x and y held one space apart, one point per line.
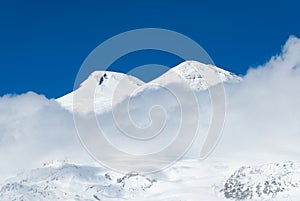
194 69
197 75
103 85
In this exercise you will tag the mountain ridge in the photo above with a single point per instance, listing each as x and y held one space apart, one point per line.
196 75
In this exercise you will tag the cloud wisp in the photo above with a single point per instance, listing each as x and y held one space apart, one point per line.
263 111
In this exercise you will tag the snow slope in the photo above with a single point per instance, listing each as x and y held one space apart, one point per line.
66 181
187 180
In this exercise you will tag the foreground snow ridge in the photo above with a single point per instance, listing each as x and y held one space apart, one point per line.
188 180
66 181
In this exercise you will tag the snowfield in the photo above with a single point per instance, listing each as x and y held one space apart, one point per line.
187 180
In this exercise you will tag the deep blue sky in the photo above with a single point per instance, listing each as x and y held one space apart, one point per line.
43 43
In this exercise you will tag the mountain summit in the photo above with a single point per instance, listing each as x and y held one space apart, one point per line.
197 75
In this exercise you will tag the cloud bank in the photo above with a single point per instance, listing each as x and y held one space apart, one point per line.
263 119
34 130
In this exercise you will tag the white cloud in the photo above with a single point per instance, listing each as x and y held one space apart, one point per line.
34 130
263 119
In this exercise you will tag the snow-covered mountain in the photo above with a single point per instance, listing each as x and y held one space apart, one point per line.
197 75
260 132
132 100
186 180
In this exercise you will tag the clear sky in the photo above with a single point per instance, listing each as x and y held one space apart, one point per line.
43 43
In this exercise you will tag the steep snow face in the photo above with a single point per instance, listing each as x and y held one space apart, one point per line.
263 182
103 84
196 75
